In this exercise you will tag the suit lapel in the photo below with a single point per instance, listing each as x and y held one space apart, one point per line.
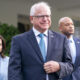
50 44
77 43
34 44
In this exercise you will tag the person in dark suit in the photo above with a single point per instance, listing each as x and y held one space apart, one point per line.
66 26
39 54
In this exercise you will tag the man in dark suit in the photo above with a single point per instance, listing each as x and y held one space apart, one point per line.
27 60
66 26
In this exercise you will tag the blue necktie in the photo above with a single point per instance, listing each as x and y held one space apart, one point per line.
42 46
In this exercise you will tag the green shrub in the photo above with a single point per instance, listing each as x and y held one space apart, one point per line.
8 31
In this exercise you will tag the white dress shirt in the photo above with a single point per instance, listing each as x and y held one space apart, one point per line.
36 32
72 47
4 68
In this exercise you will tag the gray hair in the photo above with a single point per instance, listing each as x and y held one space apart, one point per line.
37 5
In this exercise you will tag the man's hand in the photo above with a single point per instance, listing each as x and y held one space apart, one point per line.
51 66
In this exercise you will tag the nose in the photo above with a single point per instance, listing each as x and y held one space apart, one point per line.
71 26
44 17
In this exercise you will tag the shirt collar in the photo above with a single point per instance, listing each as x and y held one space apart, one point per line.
71 38
36 32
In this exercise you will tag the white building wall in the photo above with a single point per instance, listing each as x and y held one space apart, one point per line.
9 10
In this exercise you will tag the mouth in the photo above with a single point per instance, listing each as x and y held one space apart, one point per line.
71 31
44 23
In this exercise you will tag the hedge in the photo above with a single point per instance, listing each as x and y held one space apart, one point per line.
8 31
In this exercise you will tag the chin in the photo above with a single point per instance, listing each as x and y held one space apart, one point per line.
45 28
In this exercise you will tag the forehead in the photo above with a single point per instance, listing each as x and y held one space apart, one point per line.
67 20
42 10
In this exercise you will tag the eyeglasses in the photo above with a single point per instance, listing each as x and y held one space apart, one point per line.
42 16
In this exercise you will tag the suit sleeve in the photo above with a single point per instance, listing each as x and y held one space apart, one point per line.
76 73
66 66
14 70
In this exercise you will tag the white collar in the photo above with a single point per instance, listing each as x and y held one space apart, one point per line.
71 38
36 32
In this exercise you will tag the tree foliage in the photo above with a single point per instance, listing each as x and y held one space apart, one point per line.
8 31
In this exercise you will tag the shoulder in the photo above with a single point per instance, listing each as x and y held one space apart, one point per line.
57 34
22 35
6 58
76 39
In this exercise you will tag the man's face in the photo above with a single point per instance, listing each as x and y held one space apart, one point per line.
67 27
41 20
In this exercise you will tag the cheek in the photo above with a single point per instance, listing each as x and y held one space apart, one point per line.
32 21
0 48
35 21
49 21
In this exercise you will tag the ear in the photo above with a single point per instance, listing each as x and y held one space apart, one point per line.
60 28
31 19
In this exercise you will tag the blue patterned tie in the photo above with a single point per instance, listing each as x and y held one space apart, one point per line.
42 46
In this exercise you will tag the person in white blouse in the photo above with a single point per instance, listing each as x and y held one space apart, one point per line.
3 60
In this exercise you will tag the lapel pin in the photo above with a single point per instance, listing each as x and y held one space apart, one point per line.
52 36
78 42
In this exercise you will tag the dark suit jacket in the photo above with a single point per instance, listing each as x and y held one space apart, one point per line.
76 72
26 62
